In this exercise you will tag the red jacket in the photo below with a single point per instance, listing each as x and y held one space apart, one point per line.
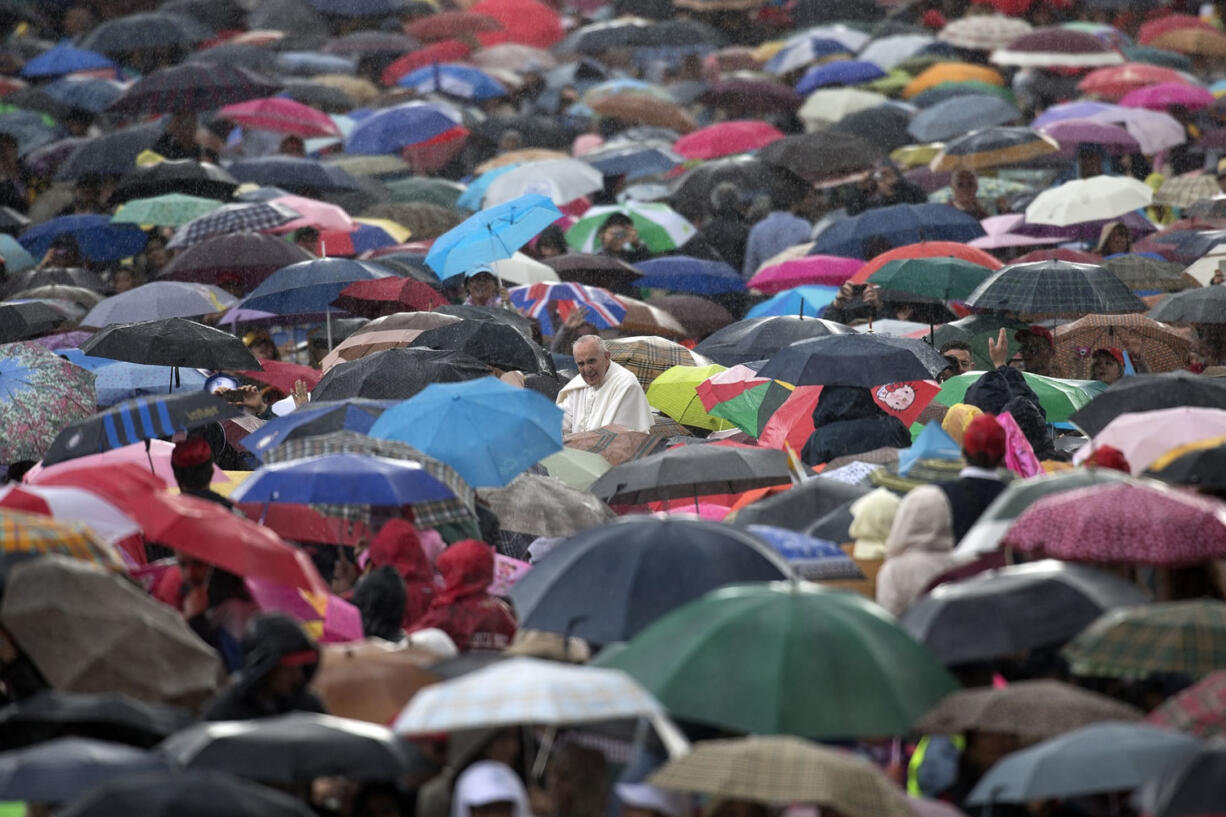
463 609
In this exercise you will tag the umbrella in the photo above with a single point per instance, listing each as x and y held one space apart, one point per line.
171 342
96 237
34 533
308 177
49 714
39 393
700 316
1054 288
576 468
1148 393
109 636
854 360
117 380
603 310
1094 199
1163 95
751 174
778 770
660 227
1143 273
992 147
314 419
371 339
838 72
391 129
810 558
171 210
643 109
825 155
475 427
77 296
828 105
62 769
384 296
371 680
71 505
497 345
491 234
543 506
983 32
1096 759
959 115
250 256
185 176
561 180
342 479
1188 788
603 584
898 224
1056 47
926 249
1162 347
1031 710
280 115
453 79
726 139
64 59
232 218
137 32
825 270
647 357
1196 41
777 685
946 279
1175 637
186 794
192 86
157 301
311 286
691 471
289 749
1014 609
681 273
1197 710
950 72
534 691
760 338
24 319
1195 464
674 393
1145 523
1203 305
1058 398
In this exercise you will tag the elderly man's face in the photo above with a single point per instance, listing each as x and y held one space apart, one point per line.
592 363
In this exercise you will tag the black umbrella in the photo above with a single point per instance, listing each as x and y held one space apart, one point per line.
187 794
192 87
251 256
1055 288
607 583
294 174
142 32
673 33
52 713
1188 788
219 15
700 316
496 344
171 342
424 220
1014 609
61 276
133 421
1200 305
291 749
691 471
834 526
408 265
800 507
1200 467
884 126
483 313
536 130
304 27
597 37
253 57
1149 392
823 155
28 319
759 338
808 13
751 175
605 271
854 360
112 154
186 176
396 374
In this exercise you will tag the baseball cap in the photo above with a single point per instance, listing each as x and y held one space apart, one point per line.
1035 330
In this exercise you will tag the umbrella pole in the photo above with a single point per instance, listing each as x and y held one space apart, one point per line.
329 322
149 455
542 753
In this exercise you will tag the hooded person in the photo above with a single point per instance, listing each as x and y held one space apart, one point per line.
380 599
279 661
463 608
872 516
958 418
397 545
846 420
488 788
918 548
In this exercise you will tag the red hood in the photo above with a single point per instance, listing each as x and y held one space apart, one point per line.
467 568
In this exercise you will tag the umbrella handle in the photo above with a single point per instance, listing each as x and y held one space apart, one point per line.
149 455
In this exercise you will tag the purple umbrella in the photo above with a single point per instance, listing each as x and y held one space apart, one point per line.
1072 132
1137 224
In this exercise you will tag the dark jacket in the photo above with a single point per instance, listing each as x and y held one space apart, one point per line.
270 639
847 421
729 235
994 389
968 498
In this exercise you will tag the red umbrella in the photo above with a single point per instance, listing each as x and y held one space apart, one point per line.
446 51
1127 522
282 376
827 270
449 25
385 296
1165 94
302 523
727 139
1117 80
526 21
927 249
280 116
1170 22
1060 254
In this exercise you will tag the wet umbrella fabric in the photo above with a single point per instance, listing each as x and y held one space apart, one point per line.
171 342
186 794
1149 393
190 87
97 238
1055 287
60 770
396 374
110 717
39 393
691 471
854 360
496 344
760 338
342 479
899 224
1032 710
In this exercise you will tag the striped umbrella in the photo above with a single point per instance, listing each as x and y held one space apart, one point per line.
604 310
31 533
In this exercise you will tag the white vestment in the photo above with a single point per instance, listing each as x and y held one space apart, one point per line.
619 400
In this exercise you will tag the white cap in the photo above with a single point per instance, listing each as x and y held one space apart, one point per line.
485 782
644 796
436 641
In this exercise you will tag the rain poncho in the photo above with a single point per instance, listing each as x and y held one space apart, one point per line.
463 609
917 550
398 545
847 421
872 516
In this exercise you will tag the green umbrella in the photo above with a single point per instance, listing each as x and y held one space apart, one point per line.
945 278
750 409
1059 398
577 468
660 227
976 330
892 83
786 658
170 210
675 393
439 192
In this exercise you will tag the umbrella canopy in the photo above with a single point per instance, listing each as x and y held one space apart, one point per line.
385 296
961 114
71 505
946 279
826 270
34 533
691 471
680 273
777 770
561 180
1097 198
726 139
183 176
371 680
1187 637
605 584
1031 710
1197 710
854 360
760 338
1060 399
251 257
647 357
1202 305
171 342
674 393
543 506
49 714
390 129
311 286
170 210
396 374
828 154
1187 788
660 227
192 86
1054 288
61 770
342 479
453 79
232 218
1057 47
491 234
109 635
1196 464
983 32
1142 272
137 32
495 344
295 174
750 636
1014 609
898 224
64 59
1135 434
187 794
926 249
23 319
318 417
1149 393
992 147
96 237
157 301
40 392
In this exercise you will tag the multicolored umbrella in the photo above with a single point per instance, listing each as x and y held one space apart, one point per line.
22 532
1199 710
1197 464
927 249
660 227
1186 637
40 393
674 392
943 278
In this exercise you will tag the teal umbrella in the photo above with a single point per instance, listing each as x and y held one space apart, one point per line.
944 278
1059 398
170 210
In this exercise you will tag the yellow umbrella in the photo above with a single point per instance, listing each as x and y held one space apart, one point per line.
1177 452
675 392
951 72
395 229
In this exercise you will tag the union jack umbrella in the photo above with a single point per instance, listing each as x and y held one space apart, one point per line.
604 310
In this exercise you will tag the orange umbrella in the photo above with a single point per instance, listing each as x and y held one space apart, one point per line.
371 680
927 249
951 72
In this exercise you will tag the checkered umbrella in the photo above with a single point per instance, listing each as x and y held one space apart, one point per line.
1055 288
777 769
32 533
1185 190
1163 347
983 32
1199 710
647 356
247 217
1187 637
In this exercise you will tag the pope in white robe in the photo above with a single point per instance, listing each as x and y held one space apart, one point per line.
604 393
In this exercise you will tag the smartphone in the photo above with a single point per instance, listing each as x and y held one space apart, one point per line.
858 289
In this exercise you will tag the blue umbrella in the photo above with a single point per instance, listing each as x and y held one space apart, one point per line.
356 414
64 59
491 235
310 286
310 63
119 380
633 161
343 479
16 259
293 173
359 8
487 431
897 225
960 115
91 94
97 238
31 129
800 54
809 557
840 72
681 273
806 301
474 194
456 80
60 770
391 129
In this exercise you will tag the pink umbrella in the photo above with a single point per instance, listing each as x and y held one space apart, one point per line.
828 270
329 618
1117 80
315 213
1000 234
159 452
1071 132
280 116
726 139
1144 436
1165 94
1124 522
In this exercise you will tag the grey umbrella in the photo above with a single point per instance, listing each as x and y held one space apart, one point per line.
60 770
800 507
959 115
544 506
158 300
691 471
1202 305
1096 759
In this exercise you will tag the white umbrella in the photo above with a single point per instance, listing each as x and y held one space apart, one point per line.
1000 234
848 36
1205 266
887 52
522 269
562 180
1094 199
827 105
982 32
533 691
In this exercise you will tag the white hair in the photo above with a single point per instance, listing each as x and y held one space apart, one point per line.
601 345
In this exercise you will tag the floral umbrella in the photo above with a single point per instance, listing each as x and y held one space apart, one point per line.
40 393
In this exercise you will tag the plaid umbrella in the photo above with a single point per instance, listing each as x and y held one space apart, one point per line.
647 356
1140 272
193 86
544 506
618 444
1199 710
1185 190
1187 637
32 533
40 393
233 218
1144 523
1031 710
1055 288
983 32
1164 348
778 770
